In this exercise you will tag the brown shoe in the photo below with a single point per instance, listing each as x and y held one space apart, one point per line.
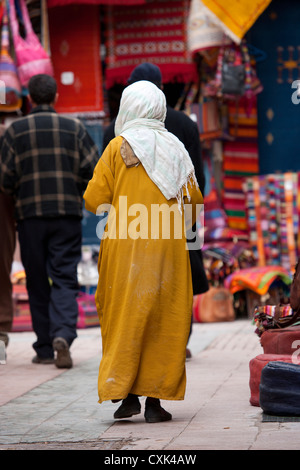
42 360
63 357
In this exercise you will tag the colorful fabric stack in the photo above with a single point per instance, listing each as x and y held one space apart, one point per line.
155 32
87 311
273 229
258 279
22 316
257 215
240 160
271 316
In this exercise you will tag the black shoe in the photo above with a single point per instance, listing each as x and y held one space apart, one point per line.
63 357
42 360
130 406
188 354
154 413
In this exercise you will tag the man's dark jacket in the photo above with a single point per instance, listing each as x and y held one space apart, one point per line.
187 132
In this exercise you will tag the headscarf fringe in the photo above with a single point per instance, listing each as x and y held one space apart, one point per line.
191 179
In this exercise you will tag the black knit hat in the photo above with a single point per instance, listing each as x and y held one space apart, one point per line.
146 71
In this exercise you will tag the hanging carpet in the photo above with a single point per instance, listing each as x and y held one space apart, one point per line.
155 32
75 45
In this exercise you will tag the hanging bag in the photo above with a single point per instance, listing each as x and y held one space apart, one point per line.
10 88
31 57
233 72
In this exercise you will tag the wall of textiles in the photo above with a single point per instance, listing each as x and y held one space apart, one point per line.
228 127
251 221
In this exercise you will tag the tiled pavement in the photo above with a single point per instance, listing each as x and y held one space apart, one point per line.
44 408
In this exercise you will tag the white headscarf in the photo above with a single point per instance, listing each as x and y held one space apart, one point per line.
140 121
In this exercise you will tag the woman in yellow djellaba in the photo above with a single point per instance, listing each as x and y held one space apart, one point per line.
145 180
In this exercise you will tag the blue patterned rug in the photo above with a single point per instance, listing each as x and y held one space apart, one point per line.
275 39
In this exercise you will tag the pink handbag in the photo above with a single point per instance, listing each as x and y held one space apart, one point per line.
10 88
31 57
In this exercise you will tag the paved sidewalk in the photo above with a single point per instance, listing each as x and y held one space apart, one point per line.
44 408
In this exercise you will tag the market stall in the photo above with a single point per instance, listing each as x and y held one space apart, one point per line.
216 68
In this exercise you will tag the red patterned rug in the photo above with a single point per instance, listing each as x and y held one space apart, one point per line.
155 32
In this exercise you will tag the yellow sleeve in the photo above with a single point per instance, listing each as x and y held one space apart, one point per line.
99 191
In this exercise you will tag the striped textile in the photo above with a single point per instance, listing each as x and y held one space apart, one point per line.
270 310
272 316
256 217
240 160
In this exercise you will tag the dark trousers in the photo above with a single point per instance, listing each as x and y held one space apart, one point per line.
7 248
50 252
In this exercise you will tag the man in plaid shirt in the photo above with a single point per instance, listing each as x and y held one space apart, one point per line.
46 162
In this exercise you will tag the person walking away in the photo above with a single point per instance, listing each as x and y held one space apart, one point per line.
7 244
46 163
186 130
144 295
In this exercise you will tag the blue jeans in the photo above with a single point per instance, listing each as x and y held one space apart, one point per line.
50 251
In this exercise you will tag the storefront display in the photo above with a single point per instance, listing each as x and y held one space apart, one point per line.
251 215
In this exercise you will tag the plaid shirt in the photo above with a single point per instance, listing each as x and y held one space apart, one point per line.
46 162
